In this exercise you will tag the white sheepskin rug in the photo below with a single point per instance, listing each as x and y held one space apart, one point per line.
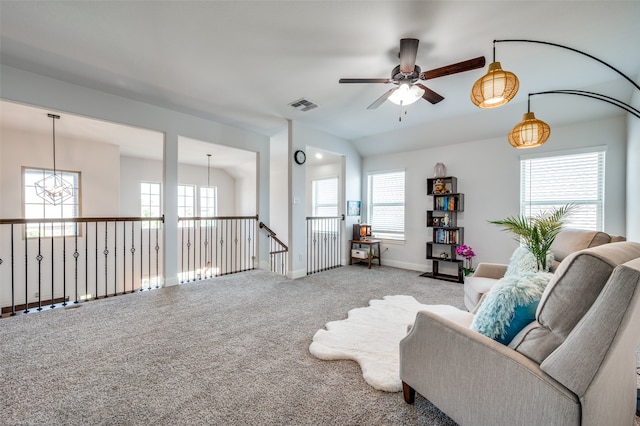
371 336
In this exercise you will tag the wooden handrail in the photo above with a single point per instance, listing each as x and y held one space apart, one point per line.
273 235
82 219
217 217
341 217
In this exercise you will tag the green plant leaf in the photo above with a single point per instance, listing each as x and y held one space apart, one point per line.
537 233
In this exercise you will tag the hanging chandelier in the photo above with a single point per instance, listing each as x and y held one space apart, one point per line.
54 189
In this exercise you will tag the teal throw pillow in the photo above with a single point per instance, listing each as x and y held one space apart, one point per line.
510 305
523 315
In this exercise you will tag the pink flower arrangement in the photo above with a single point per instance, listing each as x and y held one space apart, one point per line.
465 251
468 253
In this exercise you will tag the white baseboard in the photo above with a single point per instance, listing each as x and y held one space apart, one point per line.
405 265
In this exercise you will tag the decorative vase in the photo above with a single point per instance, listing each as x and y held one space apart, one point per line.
439 170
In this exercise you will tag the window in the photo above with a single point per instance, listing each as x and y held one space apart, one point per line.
325 197
208 201
553 181
186 203
385 210
37 208
150 202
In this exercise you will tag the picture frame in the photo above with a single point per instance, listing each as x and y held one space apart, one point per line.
353 208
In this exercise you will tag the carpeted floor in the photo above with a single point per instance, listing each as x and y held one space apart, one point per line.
232 350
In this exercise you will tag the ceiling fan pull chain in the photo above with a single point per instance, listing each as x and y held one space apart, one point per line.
400 115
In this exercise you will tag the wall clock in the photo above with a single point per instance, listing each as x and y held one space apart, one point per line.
300 157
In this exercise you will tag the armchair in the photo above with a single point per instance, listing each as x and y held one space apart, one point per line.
574 365
566 242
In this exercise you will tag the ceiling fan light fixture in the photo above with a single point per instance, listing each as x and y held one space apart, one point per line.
406 94
529 133
495 88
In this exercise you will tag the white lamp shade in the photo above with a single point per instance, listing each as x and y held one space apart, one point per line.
406 94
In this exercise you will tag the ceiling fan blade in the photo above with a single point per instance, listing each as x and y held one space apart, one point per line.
468 65
365 80
382 98
430 95
408 52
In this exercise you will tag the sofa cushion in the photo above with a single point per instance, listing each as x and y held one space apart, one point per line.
572 290
572 240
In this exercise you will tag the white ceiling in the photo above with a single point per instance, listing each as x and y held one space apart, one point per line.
242 62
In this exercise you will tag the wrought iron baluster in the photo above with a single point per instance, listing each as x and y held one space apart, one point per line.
133 257
157 254
142 255
26 269
52 268
115 258
39 259
86 260
13 297
76 254
124 257
64 264
106 260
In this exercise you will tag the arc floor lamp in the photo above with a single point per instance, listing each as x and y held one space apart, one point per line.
497 87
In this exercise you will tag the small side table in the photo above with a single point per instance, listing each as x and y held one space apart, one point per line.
365 250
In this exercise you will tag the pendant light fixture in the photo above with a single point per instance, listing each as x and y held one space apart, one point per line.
54 189
496 87
530 132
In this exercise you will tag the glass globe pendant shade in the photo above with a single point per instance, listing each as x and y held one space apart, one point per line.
495 88
406 94
529 133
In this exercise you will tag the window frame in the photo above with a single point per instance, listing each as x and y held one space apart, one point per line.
150 206
315 206
182 205
388 234
593 197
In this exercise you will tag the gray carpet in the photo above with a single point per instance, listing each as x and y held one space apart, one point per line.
232 350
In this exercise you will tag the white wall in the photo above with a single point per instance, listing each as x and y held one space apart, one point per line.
245 196
278 192
301 136
488 174
633 173
98 164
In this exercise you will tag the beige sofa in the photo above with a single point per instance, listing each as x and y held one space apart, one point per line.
566 242
574 365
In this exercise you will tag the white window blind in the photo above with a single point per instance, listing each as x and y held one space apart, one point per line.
385 209
325 197
550 182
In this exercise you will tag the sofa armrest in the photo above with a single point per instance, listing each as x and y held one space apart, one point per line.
476 380
490 270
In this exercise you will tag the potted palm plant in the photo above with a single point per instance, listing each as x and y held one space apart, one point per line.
538 232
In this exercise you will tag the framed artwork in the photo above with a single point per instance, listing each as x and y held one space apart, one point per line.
353 208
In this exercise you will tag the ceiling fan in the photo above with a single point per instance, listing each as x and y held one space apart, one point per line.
406 75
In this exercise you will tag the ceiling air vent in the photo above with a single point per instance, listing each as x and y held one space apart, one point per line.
303 105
